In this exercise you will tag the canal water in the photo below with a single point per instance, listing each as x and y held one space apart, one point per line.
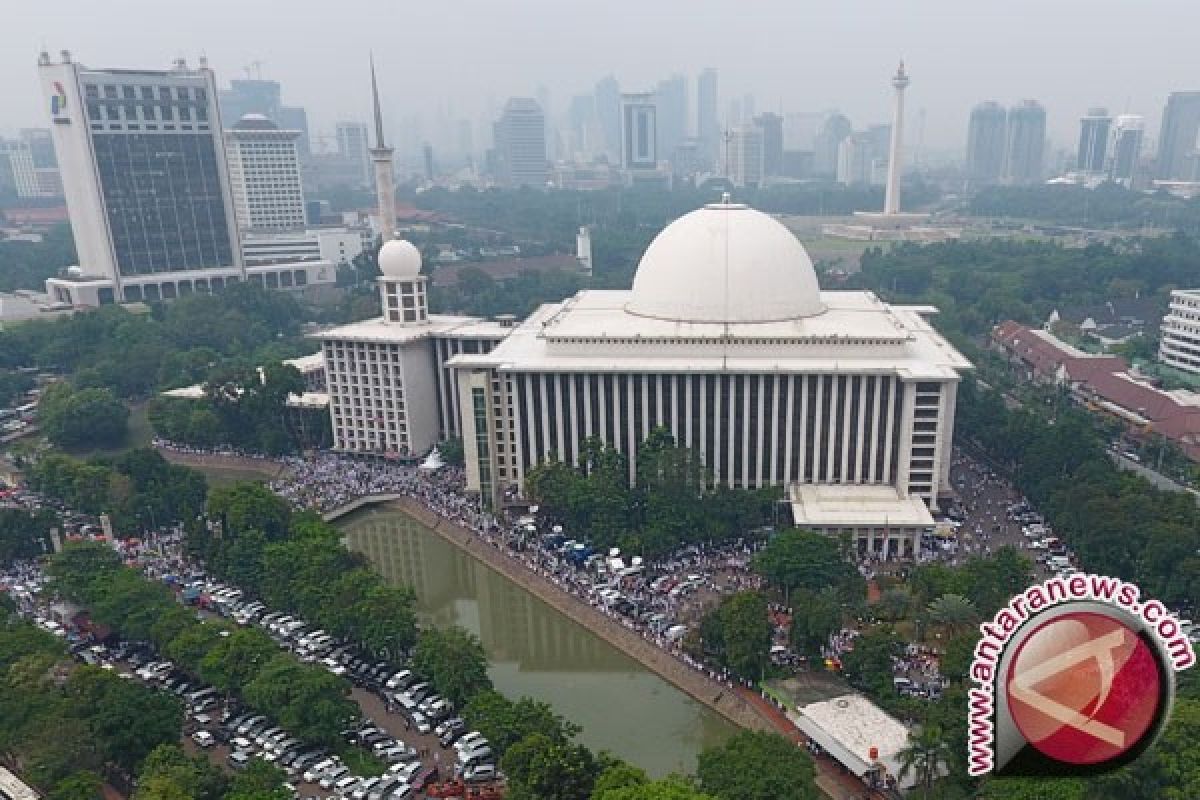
537 651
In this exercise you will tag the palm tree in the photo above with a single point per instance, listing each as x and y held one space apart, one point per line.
925 755
953 611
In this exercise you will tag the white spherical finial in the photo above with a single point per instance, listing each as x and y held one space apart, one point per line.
399 259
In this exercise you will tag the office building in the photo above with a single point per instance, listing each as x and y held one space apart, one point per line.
145 178
986 142
257 96
354 146
771 126
671 114
1024 152
727 341
1179 336
863 157
639 132
1127 133
828 142
708 123
520 143
608 115
338 247
24 173
264 175
800 129
746 156
1177 138
1093 141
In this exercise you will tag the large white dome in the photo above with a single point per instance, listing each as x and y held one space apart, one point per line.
399 259
725 263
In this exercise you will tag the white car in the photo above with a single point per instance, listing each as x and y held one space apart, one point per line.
203 739
314 773
333 775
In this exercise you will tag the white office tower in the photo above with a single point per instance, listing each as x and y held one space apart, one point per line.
1179 340
639 134
891 201
746 156
727 341
583 249
264 173
145 178
381 157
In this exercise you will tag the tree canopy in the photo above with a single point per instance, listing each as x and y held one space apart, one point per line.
754 765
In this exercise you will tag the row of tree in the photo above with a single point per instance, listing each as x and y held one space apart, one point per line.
67 728
24 534
310 702
672 503
138 489
1116 522
1108 205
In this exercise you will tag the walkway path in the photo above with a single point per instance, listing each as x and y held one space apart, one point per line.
269 469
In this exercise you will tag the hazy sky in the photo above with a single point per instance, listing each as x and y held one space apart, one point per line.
462 58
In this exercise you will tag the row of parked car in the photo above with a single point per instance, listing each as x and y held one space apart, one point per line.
427 711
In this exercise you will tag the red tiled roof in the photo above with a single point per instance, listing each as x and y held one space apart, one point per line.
1106 378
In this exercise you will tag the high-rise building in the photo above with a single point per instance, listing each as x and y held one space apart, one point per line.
520 139
708 123
257 96
825 150
1024 160
28 167
800 129
264 175
1093 140
145 178
771 126
354 146
671 114
986 136
1177 137
639 135
608 113
1127 134
746 155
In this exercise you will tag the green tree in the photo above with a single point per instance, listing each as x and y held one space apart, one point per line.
127 721
869 665
924 757
236 659
815 617
87 417
798 559
505 722
538 768
81 785
306 700
169 772
250 507
894 603
745 638
674 787
953 612
757 766
454 661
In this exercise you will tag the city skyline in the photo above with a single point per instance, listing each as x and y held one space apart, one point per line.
958 70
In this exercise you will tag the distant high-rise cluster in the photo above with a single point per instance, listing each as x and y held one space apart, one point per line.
1093 141
1006 146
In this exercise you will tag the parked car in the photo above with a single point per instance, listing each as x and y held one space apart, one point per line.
203 739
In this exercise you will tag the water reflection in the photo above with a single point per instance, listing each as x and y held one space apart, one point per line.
537 651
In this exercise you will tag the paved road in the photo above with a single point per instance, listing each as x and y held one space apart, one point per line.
1156 478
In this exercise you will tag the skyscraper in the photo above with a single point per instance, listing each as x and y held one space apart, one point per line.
353 146
825 149
28 166
671 115
264 175
639 134
771 126
520 136
608 112
257 96
708 124
746 155
1026 143
145 177
985 144
1093 140
1126 147
1177 138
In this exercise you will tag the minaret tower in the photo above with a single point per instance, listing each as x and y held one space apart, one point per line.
891 202
381 156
